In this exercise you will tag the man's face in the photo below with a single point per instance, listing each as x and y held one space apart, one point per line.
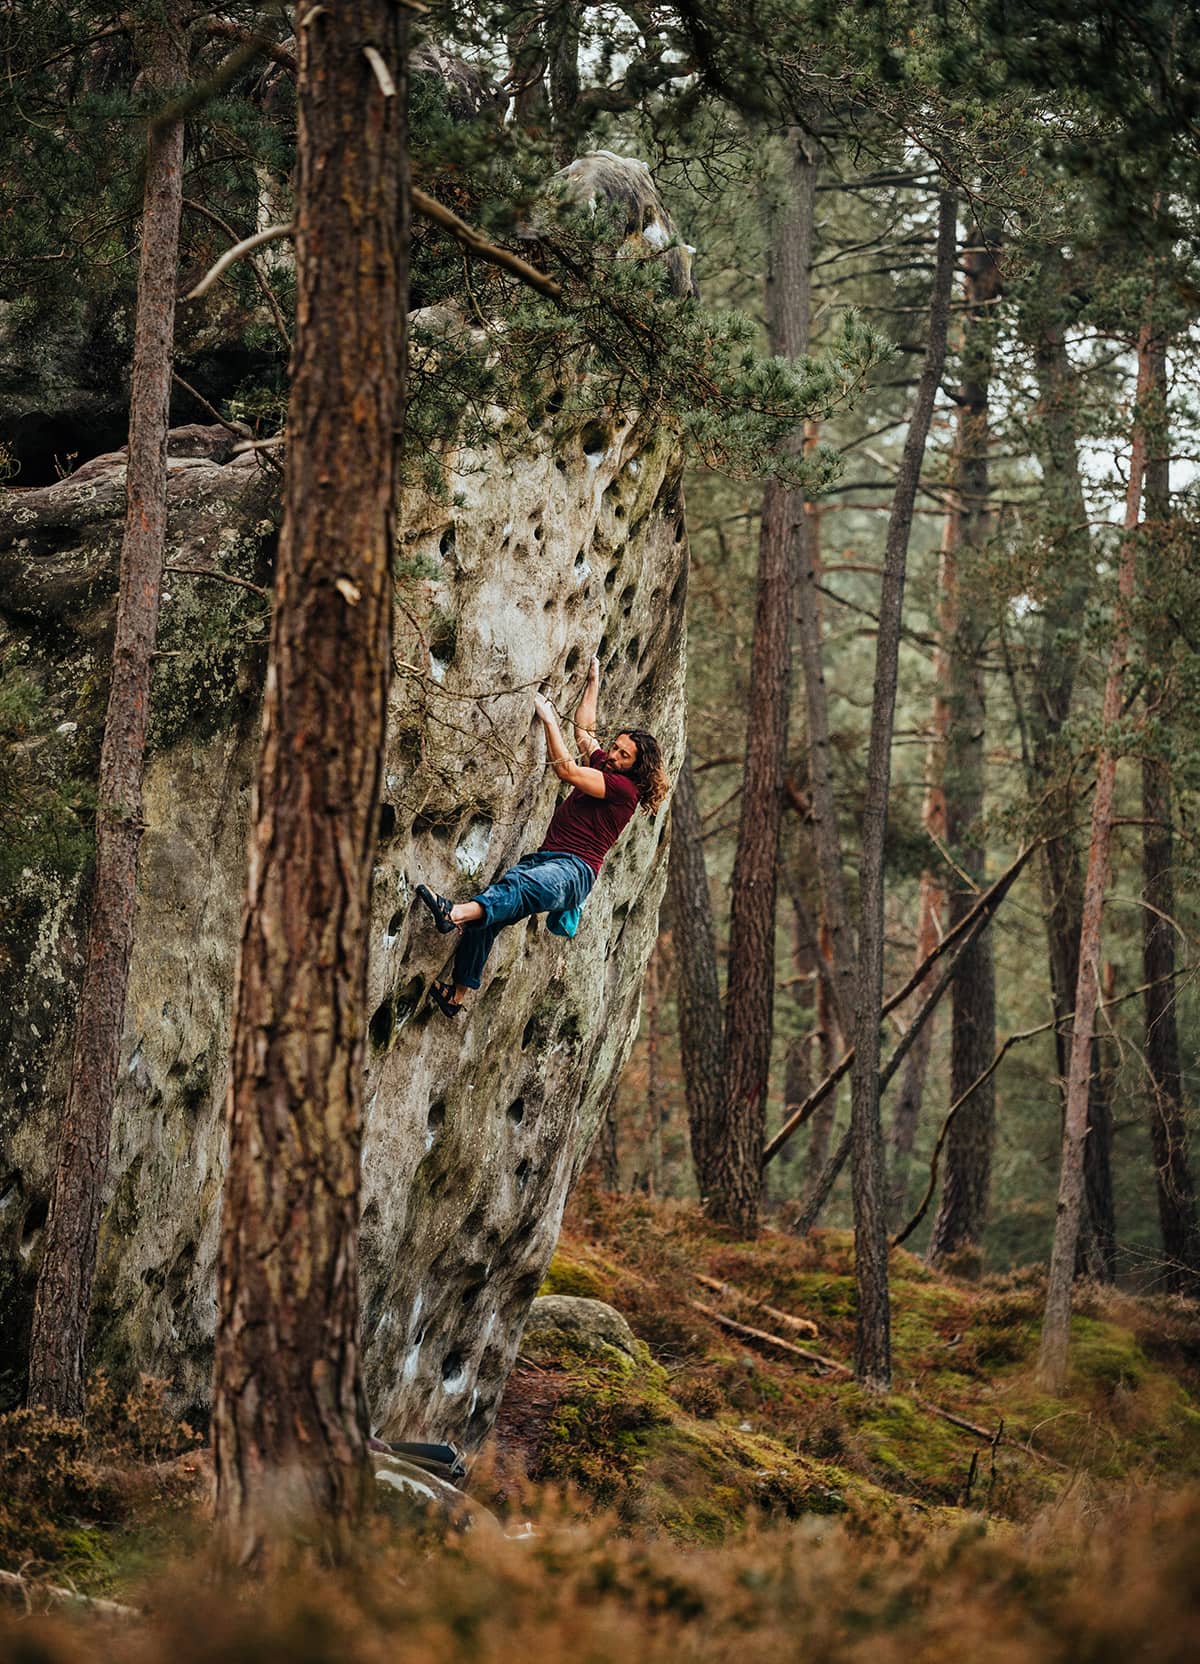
622 754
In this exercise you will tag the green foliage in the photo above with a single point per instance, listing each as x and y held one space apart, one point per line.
44 804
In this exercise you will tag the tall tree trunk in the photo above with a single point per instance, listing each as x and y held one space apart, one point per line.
830 1044
562 31
1052 1355
289 1410
64 1291
654 1111
931 899
1054 682
963 1211
697 991
872 1345
749 1001
1168 1128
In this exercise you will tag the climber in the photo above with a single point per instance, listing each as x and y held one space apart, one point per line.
556 878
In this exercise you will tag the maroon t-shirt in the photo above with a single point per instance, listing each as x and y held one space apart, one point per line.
590 826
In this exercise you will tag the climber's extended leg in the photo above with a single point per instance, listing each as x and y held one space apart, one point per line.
541 883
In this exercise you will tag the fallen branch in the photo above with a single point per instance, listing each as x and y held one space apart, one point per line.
54 1595
239 251
765 1339
221 577
995 1439
802 1325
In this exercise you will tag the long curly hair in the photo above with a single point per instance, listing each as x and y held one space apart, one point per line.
648 773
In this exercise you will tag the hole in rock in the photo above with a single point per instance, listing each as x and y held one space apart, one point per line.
560 464
677 589
680 529
633 649
625 600
522 1174
556 400
454 1372
396 922
443 640
408 999
619 511
595 438
516 1111
611 576
572 661
525 1288
602 650
387 821
448 540
436 1119
539 532
380 1027
548 605
581 560
472 1292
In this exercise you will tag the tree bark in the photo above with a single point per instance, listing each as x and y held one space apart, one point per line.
1174 1187
697 991
830 1042
963 1211
1052 1354
931 900
1054 682
289 1410
749 1001
64 1291
654 1107
872 1346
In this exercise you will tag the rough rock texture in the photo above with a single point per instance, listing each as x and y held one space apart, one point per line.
582 1325
564 545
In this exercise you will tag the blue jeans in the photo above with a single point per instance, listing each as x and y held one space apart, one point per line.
545 882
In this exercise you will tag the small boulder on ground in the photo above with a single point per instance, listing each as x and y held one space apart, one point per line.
568 1322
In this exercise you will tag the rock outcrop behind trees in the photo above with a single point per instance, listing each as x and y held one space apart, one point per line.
543 553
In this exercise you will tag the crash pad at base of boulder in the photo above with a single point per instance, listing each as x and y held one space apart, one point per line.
578 1324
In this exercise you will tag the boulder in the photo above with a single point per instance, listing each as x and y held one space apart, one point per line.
551 546
569 1322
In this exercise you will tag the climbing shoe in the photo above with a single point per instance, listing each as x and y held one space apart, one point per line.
442 995
439 907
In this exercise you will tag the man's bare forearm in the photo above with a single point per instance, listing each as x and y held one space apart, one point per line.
585 715
556 748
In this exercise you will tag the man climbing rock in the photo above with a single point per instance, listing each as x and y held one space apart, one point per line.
557 878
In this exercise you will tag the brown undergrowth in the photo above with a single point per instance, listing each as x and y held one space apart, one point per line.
1071 1588
714 1490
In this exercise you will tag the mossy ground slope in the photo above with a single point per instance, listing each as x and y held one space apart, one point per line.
721 1463
713 1426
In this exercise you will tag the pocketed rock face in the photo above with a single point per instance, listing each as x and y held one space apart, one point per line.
572 546
476 1126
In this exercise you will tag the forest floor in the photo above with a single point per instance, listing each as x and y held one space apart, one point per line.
727 1487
